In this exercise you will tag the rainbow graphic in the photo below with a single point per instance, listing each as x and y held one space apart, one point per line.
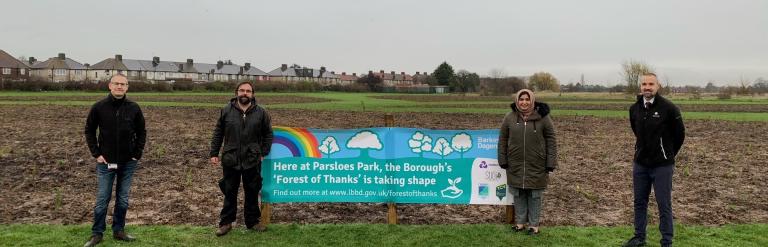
299 141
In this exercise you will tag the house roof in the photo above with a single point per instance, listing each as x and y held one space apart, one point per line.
31 64
292 71
227 69
403 77
166 66
348 77
162 66
8 61
135 65
110 63
280 72
58 63
184 67
253 71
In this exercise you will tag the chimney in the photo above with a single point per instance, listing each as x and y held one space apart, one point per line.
393 73
322 69
32 60
87 65
219 64
381 71
190 61
213 71
343 73
402 73
119 57
247 66
284 67
417 73
354 74
62 56
155 61
242 69
181 67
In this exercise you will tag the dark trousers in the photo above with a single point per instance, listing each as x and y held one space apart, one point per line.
230 185
661 180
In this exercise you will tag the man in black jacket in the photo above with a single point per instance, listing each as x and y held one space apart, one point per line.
658 127
117 149
245 129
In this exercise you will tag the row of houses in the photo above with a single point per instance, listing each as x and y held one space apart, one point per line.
61 68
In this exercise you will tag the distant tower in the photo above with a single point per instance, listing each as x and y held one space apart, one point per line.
582 79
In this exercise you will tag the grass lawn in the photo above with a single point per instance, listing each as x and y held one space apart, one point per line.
368 102
383 235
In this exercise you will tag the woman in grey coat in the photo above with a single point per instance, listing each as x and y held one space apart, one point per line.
528 151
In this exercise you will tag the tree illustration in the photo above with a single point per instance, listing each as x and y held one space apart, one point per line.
365 140
329 146
461 143
442 147
420 143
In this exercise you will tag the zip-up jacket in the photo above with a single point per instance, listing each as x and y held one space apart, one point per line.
527 149
120 124
659 131
246 135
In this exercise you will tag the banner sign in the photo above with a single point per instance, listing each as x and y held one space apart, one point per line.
400 165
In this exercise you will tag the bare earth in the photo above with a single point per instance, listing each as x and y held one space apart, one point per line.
48 176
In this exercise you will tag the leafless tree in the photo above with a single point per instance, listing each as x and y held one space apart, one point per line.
631 71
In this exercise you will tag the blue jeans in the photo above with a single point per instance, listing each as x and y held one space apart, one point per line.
660 178
106 177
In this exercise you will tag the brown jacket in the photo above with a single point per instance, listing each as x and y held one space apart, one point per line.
527 149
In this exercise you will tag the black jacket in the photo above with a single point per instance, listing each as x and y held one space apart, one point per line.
659 131
247 136
122 133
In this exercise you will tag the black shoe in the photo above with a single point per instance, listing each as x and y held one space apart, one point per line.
533 232
122 236
95 239
666 245
635 242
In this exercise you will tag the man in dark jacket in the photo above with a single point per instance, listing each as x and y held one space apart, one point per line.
658 127
245 129
117 149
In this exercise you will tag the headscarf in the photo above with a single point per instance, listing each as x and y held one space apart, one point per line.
525 112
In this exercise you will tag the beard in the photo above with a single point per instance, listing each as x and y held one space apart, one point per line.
244 99
648 94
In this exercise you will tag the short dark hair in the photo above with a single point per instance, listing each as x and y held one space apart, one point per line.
243 83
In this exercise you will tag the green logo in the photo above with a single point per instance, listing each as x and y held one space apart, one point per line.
501 191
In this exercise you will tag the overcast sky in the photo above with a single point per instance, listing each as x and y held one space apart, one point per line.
688 42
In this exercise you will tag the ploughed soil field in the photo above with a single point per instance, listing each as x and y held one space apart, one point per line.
48 176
